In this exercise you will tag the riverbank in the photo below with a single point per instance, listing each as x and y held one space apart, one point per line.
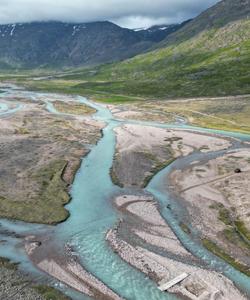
65 266
137 144
19 286
143 239
41 152
223 113
215 194
142 151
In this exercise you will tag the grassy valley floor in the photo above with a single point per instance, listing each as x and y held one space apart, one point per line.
41 153
222 113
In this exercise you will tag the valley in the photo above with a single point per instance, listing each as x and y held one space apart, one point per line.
125 151
160 239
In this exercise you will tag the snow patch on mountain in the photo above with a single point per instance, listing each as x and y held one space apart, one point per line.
13 29
77 28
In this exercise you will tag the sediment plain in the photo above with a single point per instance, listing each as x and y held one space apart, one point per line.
42 151
143 239
40 154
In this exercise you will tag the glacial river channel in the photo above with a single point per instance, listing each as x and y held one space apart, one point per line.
92 214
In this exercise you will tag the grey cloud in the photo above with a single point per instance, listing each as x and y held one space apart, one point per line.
130 13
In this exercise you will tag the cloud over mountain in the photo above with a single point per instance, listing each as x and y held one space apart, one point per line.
128 13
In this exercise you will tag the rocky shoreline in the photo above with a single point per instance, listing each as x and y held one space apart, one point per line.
215 194
15 284
65 267
202 283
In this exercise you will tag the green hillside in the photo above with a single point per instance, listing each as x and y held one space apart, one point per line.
209 56
219 15
214 62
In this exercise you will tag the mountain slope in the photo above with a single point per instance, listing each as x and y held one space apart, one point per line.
215 61
56 44
219 15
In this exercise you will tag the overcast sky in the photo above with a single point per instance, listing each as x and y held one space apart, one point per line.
127 13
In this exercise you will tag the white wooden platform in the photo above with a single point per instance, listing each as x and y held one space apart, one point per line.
164 285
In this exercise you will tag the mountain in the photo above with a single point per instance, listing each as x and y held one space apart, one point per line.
56 44
209 56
